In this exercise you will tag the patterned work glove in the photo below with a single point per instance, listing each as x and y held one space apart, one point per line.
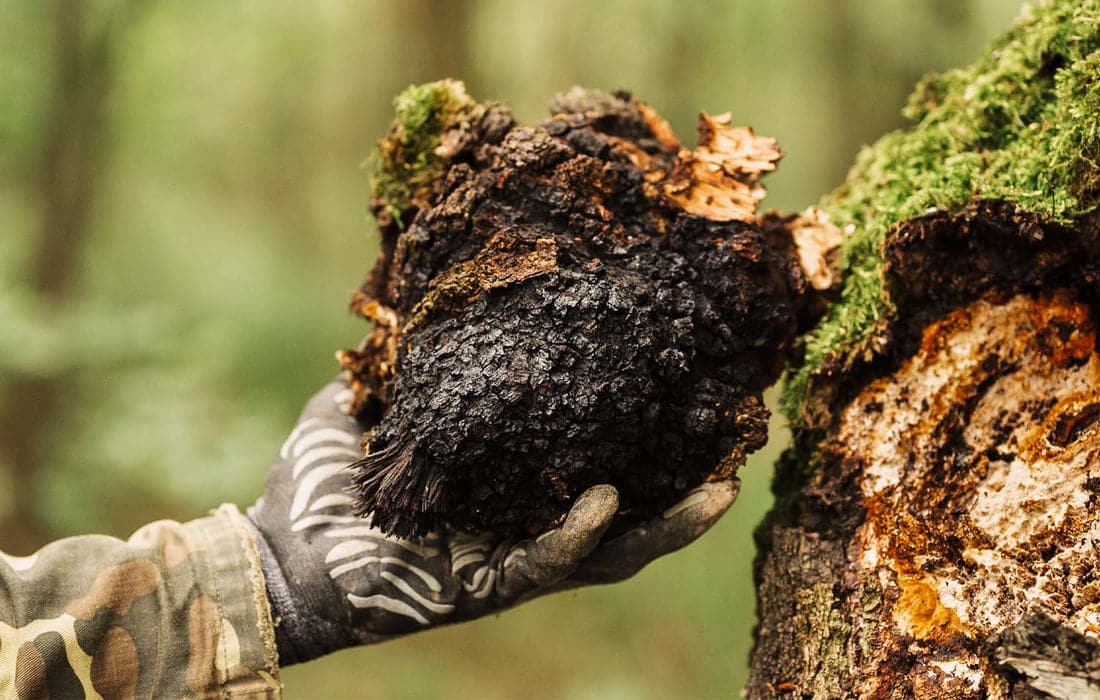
335 581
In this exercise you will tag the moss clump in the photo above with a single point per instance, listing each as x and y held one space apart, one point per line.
1021 125
413 154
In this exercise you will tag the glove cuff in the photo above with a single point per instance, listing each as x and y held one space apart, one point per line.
297 636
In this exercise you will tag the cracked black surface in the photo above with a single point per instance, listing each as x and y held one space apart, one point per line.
639 361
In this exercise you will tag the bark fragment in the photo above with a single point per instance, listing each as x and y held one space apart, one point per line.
1051 660
718 179
817 241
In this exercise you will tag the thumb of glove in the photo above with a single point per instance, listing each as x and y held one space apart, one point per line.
556 554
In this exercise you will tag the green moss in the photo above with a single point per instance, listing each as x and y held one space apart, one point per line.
407 160
1021 125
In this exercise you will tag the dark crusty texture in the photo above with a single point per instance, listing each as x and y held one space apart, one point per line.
550 315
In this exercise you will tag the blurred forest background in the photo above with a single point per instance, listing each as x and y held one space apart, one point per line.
183 218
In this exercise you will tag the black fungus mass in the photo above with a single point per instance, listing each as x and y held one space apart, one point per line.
564 305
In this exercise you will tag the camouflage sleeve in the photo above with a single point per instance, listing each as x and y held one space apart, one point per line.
178 610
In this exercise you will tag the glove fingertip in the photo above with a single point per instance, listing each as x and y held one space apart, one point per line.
722 494
706 503
598 503
591 515
583 528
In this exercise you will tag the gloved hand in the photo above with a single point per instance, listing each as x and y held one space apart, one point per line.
335 581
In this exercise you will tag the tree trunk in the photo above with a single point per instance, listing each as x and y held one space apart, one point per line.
937 523
954 504
68 168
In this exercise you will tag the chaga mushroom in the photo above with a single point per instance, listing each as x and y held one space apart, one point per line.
557 306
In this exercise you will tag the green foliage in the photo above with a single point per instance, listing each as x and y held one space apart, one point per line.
408 159
1020 125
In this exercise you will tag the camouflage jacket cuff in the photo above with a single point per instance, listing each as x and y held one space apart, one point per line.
177 610
245 659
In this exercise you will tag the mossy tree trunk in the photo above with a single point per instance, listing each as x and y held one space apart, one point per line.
937 526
